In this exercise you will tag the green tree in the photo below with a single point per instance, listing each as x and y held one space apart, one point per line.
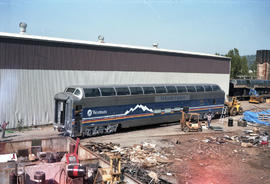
235 62
253 69
244 66
239 66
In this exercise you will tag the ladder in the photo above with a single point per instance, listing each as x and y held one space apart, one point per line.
223 114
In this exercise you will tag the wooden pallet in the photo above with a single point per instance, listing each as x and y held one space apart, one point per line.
264 117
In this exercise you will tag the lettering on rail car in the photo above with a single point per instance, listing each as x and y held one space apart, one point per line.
93 112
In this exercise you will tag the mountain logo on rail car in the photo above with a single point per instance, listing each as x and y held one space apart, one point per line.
142 107
93 112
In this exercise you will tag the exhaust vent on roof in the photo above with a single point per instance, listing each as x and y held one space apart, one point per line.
101 39
22 26
155 45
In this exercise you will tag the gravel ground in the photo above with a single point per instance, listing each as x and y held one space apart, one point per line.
199 162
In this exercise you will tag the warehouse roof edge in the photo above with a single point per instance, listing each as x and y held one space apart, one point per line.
92 43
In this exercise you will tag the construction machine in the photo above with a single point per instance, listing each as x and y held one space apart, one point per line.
255 97
233 107
112 174
190 122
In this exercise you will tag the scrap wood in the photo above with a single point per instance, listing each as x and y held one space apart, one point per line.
246 145
163 159
136 159
154 176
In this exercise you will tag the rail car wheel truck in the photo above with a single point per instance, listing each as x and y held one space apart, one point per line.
233 107
190 121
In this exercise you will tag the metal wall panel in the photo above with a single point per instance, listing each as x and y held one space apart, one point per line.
35 54
28 95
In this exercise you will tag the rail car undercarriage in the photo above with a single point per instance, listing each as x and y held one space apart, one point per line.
99 130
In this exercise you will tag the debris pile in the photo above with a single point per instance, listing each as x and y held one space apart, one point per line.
174 163
248 139
137 159
144 155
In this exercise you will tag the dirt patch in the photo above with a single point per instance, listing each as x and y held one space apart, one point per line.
202 162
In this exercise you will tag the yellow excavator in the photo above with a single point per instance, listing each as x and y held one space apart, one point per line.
233 107
255 97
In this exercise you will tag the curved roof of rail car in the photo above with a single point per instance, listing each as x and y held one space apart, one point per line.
139 85
65 96
259 82
82 87
250 81
241 82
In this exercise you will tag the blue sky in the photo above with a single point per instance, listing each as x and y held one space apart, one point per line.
207 26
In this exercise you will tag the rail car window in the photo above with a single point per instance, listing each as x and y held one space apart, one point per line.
181 89
77 92
215 88
199 89
91 92
122 91
252 83
148 90
260 82
70 90
107 91
207 88
191 89
136 90
171 89
239 82
160 89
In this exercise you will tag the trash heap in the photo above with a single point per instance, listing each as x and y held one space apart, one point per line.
137 159
250 138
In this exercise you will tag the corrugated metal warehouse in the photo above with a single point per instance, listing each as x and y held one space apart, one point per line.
34 68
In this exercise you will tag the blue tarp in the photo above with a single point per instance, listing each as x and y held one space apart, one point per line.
254 117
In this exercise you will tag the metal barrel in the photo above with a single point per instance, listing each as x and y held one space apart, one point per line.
75 171
230 122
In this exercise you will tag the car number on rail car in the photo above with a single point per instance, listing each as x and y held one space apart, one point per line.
171 98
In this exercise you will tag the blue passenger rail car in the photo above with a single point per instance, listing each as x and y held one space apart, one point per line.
97 110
